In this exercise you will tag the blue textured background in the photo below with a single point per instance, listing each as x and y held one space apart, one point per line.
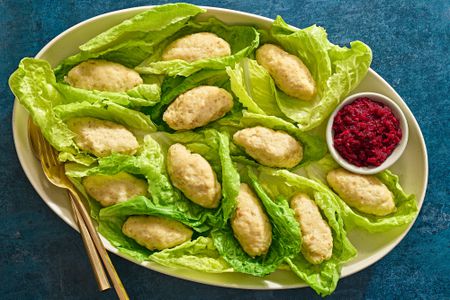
43 258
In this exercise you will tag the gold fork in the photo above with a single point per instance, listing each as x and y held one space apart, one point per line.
55 173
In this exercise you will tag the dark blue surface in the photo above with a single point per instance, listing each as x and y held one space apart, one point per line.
43 258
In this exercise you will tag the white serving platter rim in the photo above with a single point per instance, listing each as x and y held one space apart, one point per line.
56 198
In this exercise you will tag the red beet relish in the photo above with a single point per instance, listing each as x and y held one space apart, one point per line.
366 132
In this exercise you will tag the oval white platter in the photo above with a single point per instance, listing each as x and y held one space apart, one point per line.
412 167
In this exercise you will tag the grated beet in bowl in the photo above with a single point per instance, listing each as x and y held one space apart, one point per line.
366 132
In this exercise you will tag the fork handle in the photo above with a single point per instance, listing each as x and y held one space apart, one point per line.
117 283
94 258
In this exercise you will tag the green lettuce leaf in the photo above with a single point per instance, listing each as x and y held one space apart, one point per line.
107 110
323 277
141 95
254 87
174 86
242 39
133 40
286 240
336 70
110 224
200 255
194 254
214 147
314 147
406 203
33 85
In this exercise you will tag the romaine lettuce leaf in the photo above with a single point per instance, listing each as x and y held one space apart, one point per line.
214 147
133 40
406 204
314 147
323 277
107 110
174 86
111 220
141 95
110 224
254 87
199 254
33 85
336 70
286 240
242 39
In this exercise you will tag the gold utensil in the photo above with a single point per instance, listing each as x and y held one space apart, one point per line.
55 173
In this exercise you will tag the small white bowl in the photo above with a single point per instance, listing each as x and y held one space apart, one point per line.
395 155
